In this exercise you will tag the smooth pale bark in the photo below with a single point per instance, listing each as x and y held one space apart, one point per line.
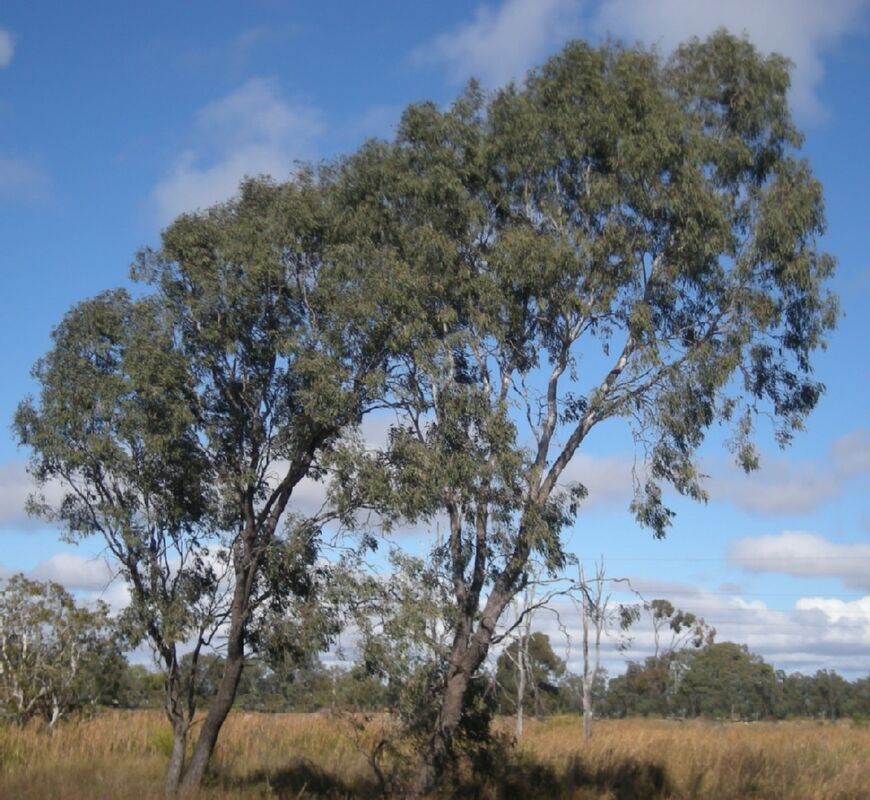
176 760
587 681
521 691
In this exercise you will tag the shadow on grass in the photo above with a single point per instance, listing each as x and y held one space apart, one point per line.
516 777
302 779
626 779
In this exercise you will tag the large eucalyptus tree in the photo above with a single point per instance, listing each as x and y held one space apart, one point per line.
622 236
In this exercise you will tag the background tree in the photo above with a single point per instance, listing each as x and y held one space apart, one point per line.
605 618
726 680
542 672
674 629
55 655
621 236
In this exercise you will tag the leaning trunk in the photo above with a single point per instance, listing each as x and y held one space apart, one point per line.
211 727
223 701
468 653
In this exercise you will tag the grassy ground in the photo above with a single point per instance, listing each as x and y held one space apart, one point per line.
122 755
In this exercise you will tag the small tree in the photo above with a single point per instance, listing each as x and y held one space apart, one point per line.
528 662
597 612
180 423
55 656
683 628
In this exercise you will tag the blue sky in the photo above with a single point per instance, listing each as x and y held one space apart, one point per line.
114 117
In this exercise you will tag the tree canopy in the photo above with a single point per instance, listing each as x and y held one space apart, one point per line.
620 237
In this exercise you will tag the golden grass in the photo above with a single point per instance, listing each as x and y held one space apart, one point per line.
122 755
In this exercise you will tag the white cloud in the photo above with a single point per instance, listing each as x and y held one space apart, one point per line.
779 487
815 633
804 554
74 571
22 182
836 610
500 44
7 48
16 486
850 454
252 131
608 479
802 30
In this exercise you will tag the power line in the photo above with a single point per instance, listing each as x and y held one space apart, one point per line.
733 561
627 588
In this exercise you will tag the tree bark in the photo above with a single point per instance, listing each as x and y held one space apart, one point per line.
176 760
468 652
438 750
521 689
587 681
223 701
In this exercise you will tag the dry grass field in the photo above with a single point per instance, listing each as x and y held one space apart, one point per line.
122 754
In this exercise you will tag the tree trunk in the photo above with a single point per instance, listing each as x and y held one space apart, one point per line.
176 760
211 726
225 696
521 689
587 681
468 653
438 750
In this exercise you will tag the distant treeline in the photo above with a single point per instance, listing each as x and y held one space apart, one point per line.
723 681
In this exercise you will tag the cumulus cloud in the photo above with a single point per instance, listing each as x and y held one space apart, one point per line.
500 44
608 479
16 486
7 48
850 454
802 30
74 571
814 633
803 554
22 182
252 131
780 487
795 487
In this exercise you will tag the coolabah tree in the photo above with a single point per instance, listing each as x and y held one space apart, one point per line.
180 423
623 236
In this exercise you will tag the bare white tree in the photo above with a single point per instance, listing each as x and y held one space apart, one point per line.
592 599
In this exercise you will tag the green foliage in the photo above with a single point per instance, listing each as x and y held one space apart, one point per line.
621 235
178 425
545 669
726 680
